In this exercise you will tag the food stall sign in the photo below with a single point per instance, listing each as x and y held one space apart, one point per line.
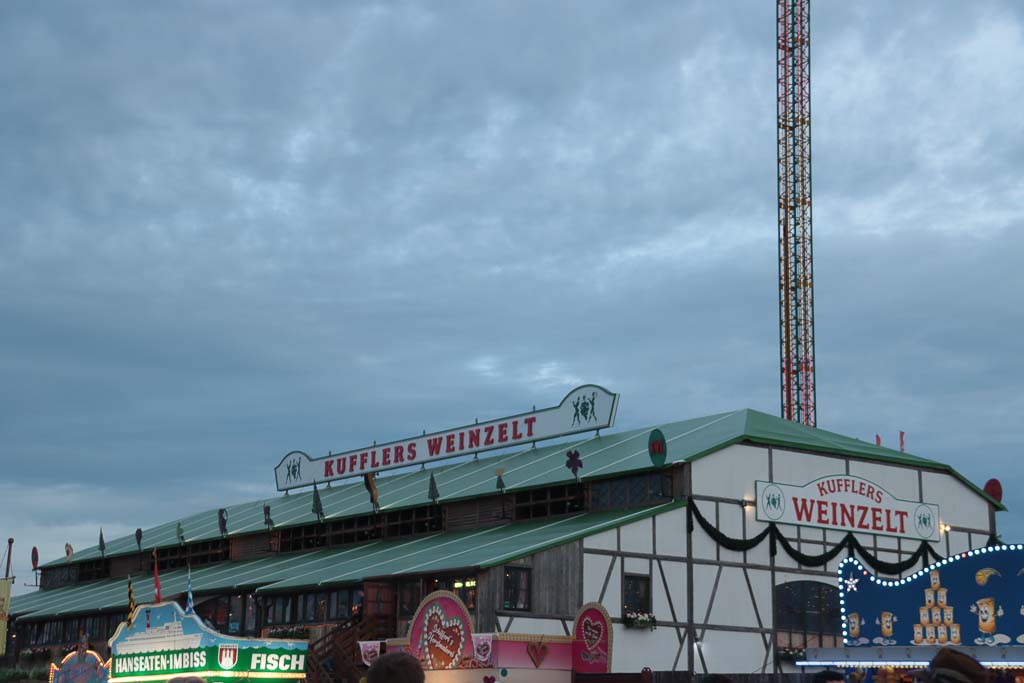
161 642
441 632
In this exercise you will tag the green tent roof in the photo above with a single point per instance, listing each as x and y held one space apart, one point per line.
603 456
476 549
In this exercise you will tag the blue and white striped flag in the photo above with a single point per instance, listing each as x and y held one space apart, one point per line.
190 606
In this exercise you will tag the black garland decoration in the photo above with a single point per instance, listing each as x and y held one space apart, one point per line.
849 543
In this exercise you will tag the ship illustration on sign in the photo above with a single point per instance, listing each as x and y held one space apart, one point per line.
170 636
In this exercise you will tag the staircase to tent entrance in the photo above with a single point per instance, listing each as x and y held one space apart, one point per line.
335 657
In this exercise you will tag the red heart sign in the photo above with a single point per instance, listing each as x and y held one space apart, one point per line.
593 632
537 652
443 640
488 679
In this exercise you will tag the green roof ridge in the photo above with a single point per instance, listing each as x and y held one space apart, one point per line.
607 455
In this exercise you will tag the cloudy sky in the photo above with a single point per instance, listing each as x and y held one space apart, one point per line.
230 230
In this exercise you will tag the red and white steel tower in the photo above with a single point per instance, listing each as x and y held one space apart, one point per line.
796 267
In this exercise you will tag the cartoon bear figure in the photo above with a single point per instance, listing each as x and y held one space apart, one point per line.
940 634
929 634
936 615
987 611
954 634
934 578
942 597
926 615
929 598
947 616
918 634
886 623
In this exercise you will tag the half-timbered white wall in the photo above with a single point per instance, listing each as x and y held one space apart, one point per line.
732 592
724 612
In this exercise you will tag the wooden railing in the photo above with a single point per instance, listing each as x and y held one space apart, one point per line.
335 657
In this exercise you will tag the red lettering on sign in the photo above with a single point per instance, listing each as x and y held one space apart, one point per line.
821 489
888 522
862 520
488 435
398 454
373 460
846 515
412 451
822 512
474 438
804 509
328 468
339 465
434 445
902 514
876 519
503 432
516 434
871 492
529 425
385 453
449 443
462 441
363 458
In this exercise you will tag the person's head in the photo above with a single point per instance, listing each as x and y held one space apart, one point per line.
829 676
953 666
395 667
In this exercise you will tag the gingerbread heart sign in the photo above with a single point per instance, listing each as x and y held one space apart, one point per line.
593 632
442 639
592 640
440 635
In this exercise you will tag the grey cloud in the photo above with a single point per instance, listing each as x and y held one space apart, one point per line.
231 233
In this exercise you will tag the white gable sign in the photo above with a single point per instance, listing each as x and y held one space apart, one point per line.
846 503
584 409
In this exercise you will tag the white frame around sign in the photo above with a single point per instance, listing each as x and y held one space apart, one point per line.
586 408
912 507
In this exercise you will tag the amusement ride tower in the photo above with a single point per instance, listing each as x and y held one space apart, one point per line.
796 267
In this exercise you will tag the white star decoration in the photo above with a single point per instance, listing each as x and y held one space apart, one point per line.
851 585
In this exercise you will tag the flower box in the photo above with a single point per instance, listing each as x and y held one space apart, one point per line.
644 620
792 654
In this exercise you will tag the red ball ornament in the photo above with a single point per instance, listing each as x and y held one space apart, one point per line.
994 490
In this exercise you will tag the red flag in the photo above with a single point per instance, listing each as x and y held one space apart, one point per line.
902 449
156 580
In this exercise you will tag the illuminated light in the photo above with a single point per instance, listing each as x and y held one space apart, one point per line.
471 583
843 610
457 584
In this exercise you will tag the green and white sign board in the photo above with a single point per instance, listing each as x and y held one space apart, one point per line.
162 642
843 502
